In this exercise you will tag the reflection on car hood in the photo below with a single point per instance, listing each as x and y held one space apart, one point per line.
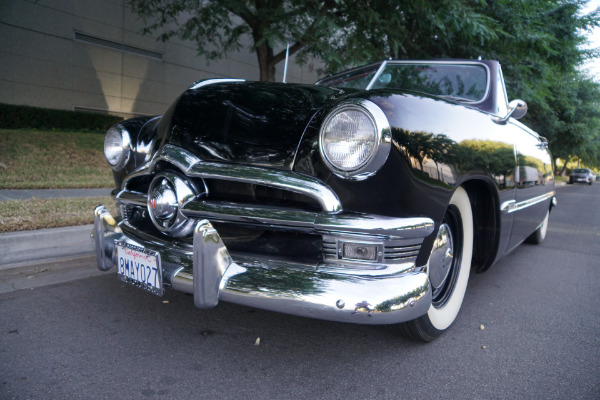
254 123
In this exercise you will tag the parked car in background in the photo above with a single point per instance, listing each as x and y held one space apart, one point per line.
367 198
582 175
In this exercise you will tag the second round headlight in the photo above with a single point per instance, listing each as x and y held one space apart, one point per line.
116 147
355 139
349 138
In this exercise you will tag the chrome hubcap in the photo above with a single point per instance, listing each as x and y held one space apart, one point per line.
442 255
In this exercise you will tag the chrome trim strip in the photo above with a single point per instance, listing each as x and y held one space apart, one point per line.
206 82
290 181
132 198
381 67
177 156
340 224
374 225
252 214
301 221
511 206
508 206
191 165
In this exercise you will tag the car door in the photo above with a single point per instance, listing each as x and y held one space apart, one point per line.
534 183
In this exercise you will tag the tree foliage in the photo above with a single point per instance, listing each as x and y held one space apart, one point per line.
222 26
541 49
538 42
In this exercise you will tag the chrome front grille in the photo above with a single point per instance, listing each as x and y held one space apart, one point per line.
274 209
126 211
401 253
329 248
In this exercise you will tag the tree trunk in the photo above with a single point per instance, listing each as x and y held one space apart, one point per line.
264 54
564 168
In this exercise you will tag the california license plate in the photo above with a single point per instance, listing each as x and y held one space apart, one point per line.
139 267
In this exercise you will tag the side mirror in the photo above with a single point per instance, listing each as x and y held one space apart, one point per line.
516 109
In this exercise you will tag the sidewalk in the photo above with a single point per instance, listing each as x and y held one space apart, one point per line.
23 194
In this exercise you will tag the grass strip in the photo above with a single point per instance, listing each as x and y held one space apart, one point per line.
24 215
32 159
559 178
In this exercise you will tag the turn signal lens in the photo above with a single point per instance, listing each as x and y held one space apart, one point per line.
359 251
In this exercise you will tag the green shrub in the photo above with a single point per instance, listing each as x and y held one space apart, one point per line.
19 117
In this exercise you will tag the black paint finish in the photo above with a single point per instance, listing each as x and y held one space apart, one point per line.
253 123
437 145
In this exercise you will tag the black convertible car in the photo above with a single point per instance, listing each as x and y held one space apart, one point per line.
368 197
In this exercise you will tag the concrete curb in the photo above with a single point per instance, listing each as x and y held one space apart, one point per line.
30 247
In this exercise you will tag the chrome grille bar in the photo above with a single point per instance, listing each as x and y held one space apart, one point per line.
291 181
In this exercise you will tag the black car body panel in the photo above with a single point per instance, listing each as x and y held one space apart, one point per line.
256 123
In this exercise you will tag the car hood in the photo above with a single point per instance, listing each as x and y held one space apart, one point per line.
254 123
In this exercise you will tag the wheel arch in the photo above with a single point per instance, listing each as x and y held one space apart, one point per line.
484 199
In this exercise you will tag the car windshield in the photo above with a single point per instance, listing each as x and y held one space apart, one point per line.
358 78
463 82
581 171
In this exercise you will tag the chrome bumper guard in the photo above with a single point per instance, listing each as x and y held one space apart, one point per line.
209 272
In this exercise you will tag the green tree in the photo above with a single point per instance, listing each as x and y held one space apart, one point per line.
220 26
338 32
408 29
538 42
541 49
577 108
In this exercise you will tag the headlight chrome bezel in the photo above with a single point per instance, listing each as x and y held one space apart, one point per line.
125 147
382 140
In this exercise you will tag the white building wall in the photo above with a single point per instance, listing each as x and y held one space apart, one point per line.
43 65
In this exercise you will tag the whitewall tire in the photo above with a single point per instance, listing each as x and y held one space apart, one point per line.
449 268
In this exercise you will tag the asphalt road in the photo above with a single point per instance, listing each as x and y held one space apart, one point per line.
98 338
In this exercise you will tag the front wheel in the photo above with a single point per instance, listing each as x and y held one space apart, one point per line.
449 267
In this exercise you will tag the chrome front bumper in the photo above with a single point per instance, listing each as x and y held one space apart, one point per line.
209 272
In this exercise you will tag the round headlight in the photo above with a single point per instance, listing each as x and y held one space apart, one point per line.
355 139
116 147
